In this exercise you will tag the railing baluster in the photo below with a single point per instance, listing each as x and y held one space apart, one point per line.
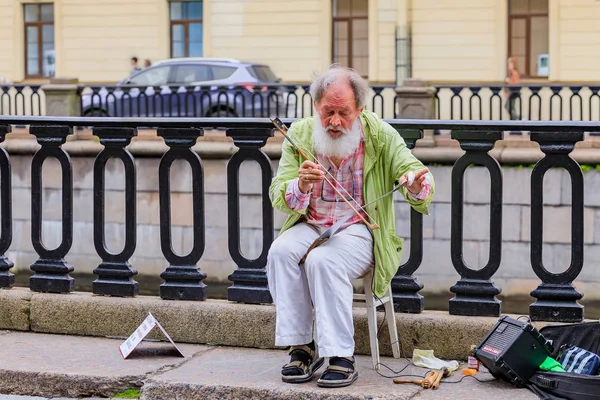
249 279
377 94
594 90
405 287
575 95
496 95
556 296
535 94
115 274
7 279
183 278
475 292
556 93
456 91
306 89
51 270
5 100
475 95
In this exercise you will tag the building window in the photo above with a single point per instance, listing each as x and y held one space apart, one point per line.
351 34
39 40
528 35
186 29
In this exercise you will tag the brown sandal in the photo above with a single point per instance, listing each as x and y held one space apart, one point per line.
349 374
298 371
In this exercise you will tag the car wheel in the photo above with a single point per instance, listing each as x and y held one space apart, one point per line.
95 112
223 113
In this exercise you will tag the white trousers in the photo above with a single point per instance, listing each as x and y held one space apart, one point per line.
324 280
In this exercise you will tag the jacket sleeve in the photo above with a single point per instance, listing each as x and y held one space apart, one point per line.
402 160
287 171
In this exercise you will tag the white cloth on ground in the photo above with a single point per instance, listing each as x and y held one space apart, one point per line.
324 280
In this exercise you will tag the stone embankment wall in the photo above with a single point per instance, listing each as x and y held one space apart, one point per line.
515 276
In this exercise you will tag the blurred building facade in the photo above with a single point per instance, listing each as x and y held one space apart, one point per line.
386 40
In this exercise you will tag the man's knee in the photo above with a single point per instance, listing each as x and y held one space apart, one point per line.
318 261
282 248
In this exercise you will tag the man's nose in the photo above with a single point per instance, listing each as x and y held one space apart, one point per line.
335 121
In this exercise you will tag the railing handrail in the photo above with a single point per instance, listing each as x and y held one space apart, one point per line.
200 84
301 85
559 126
503 85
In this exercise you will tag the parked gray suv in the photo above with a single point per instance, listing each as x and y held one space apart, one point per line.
192 87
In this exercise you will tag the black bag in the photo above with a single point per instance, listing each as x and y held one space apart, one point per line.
566 385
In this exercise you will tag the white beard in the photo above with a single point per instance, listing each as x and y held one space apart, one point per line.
340 147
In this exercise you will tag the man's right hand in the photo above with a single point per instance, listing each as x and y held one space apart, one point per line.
309 174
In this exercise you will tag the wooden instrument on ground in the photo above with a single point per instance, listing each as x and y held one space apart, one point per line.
442 374
425 383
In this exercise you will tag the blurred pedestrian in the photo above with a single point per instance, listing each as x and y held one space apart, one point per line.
513 93
147 63
135 68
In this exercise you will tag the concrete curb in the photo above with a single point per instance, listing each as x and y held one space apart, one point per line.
221 322
63 385
162 391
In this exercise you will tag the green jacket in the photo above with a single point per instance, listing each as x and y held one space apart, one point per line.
386 159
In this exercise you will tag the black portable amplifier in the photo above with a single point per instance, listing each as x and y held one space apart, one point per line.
513 350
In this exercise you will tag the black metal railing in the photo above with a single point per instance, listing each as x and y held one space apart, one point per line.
526 102
22 100
454 102
475 292
241 101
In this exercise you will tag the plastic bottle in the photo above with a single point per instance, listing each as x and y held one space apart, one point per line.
473 363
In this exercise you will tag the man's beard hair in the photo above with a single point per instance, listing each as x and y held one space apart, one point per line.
340 147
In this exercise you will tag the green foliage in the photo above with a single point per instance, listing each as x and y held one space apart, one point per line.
128 394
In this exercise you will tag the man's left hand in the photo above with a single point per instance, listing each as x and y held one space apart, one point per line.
418 180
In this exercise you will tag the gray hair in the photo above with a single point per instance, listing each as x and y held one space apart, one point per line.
337 73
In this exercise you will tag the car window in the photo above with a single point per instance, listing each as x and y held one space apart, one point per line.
151 77
191 73
220 72
263 73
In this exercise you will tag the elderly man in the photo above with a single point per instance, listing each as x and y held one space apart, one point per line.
363 157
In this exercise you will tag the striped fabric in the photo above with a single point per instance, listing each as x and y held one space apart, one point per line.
579 361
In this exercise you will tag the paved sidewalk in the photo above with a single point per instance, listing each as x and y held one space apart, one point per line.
69 367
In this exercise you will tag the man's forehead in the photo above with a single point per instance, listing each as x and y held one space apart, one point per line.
338 99
342 89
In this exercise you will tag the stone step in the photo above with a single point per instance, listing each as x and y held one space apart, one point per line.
221 322
49 366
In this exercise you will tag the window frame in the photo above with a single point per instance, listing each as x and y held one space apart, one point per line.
40 39
349 23
186 25
524 70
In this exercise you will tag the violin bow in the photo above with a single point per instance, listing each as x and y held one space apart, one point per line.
283 129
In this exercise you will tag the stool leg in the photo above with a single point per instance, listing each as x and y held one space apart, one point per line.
372 321
391 322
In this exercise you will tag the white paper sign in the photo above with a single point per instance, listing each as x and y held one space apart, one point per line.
140 333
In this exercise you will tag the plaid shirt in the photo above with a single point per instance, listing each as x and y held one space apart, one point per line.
325 206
